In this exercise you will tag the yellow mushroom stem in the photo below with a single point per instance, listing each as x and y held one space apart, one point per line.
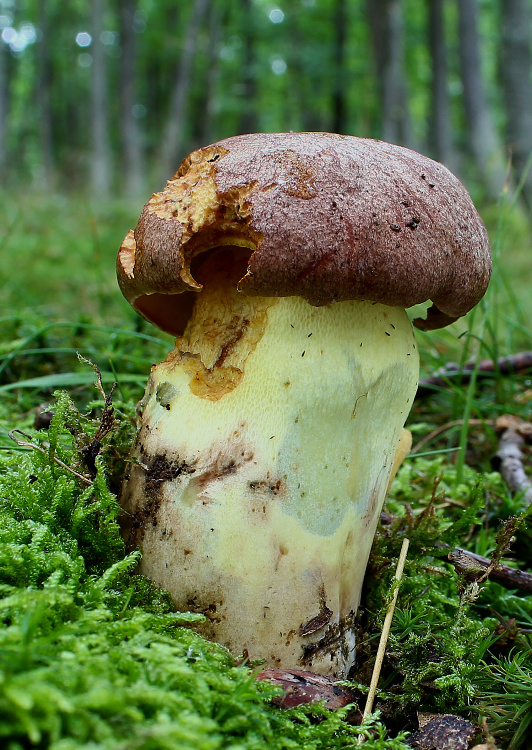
265 449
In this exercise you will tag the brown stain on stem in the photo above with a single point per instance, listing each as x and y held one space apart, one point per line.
224 329
158 470
330 641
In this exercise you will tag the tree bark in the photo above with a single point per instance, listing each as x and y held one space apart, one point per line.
339 104
249 119
100 157
44 103
207 129
471 565
516 67
3 111
440 132
508 461
171 145
483 140
386 25
307 85
129 124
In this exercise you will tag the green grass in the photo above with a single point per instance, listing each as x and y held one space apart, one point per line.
58 256
92 656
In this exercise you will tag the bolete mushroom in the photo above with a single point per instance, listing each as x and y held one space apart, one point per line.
284 263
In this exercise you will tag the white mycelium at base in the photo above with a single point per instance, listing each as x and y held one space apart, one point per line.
267 439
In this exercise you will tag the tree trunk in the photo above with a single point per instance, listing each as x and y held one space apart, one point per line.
483 140
44 87
100 152
3 112
440 132
339 104
248 119
516 67
307 84
129 125
207 129
386 25
171 145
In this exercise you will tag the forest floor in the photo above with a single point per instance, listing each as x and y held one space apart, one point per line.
92 656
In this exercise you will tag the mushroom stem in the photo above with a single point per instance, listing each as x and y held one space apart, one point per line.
265 448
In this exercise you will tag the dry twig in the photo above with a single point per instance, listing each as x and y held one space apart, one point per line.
474 566
451 373
27 444
509 458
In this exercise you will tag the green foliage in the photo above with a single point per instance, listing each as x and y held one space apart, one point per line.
506 697
65 251
91 654
439 661
426 484
448 635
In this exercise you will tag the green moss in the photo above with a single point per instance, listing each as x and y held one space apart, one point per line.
455 646
92 655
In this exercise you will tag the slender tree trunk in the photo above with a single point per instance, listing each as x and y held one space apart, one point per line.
483 140
248 119
129 124
440 132
339 104
306 88
516 68
44 88
3 113
386 24
100 157
207 127
172 140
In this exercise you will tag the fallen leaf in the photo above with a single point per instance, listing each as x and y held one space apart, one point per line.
302 687
443 732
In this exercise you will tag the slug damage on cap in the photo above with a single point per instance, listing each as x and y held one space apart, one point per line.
325 217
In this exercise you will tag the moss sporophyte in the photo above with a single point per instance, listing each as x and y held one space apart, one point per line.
267 439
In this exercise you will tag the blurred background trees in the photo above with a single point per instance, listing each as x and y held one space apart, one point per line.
110 95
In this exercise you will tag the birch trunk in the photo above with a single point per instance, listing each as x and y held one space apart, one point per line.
516 67
387 32
482 138
3 111
440 132
171 147
100 171
44 85
129 126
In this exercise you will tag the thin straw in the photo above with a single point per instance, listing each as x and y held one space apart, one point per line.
384 635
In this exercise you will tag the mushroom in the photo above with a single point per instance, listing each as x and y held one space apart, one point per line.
284 263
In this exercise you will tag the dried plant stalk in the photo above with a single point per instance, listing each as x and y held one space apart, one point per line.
385 633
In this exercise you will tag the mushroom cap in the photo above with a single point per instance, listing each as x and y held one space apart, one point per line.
325 217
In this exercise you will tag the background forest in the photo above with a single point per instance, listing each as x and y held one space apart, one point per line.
99 102
112 94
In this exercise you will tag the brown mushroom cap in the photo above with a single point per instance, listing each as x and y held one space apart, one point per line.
325 217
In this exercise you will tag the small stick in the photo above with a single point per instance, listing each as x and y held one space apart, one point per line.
470 564
508 460
384 635
451 373
24 444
